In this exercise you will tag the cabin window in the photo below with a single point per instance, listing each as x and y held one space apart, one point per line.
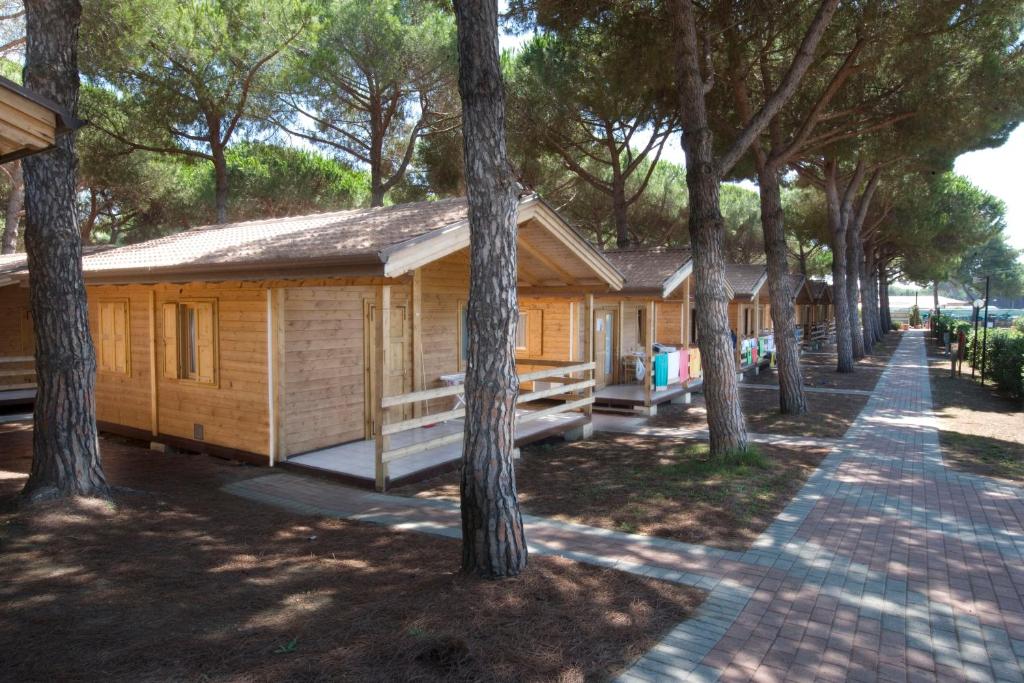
190 341
693 325
114 352
523 332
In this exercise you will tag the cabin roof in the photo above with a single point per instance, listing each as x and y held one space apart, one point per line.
32 123
388 241
656 270
819 289
797 282
746 280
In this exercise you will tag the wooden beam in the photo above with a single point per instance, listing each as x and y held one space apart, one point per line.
649 352
620 322
588 347
382 328
546 260
418 370
154 412
686 313
276 340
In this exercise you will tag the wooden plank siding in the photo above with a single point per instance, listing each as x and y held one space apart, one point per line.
16 337
124 398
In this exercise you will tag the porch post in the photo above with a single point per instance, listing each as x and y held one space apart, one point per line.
588 348
417 338
276 328
649 353
382 328
617 370
686 313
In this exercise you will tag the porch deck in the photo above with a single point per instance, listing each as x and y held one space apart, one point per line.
17 397
353 462
629 395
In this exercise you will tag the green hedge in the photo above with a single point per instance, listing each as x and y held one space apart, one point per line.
947 323
1004 358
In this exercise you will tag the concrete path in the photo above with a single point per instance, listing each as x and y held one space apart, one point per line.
885 566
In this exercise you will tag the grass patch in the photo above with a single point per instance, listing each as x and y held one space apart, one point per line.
697 461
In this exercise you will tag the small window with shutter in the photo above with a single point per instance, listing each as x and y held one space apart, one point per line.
190 341
113 351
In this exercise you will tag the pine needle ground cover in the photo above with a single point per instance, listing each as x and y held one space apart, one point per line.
176 580
981 430
656 487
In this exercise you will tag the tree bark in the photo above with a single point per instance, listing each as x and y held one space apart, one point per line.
853 289
935 297
837 230
15 203
65 449
620 213
883 294
220 174
493 542
869 294
707 230
791 385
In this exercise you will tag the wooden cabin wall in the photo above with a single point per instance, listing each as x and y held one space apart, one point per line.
554 331
669 323
445 285
125 399
16 337
235 412
631 335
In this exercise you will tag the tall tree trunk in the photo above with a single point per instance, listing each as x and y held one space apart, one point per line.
493 542
65 448
883 294
220 175
707 236
619 213
791 385
935 297
840 299
15 203
869 295
853 289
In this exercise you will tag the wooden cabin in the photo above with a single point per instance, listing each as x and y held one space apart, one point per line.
29 122
17 343
749 312
654 308
334 341
821 325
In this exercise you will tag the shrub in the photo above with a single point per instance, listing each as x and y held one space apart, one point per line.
915 316
1018 324
1004 358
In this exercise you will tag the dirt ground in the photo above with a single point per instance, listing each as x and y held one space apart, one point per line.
828 416
980 430
652 486
819 369
175 580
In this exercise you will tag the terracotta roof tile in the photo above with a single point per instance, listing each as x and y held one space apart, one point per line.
744 278
339 234
647 268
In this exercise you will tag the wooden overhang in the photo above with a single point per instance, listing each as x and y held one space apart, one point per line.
29 123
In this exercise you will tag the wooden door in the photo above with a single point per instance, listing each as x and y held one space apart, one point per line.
399 379
604 347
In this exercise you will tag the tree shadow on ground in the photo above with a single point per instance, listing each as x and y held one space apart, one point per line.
179 580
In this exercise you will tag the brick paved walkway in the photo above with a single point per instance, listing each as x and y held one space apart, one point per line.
886 566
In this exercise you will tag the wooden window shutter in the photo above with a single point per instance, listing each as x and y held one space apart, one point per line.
205 343
120 336
170 340
106 336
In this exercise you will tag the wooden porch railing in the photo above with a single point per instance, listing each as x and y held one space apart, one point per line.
575 386
17 372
